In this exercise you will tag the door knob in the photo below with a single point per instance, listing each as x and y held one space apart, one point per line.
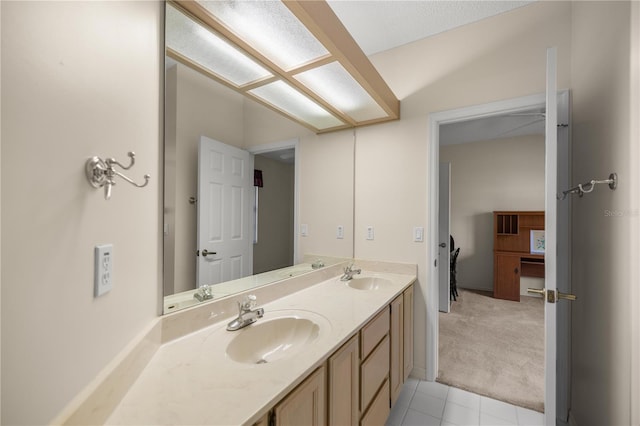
443 245
566 296
551 296
205 252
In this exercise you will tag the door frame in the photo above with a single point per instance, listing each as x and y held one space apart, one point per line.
278 146
436 119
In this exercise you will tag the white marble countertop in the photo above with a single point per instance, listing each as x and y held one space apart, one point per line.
192 380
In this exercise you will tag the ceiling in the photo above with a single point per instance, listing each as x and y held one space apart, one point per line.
407 21
382 25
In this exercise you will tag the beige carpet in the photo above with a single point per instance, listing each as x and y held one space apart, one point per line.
494 348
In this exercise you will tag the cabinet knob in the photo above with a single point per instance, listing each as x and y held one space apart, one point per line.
515 271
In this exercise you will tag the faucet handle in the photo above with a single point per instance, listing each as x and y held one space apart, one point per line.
249 301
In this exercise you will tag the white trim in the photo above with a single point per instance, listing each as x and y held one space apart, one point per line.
278 146
435 120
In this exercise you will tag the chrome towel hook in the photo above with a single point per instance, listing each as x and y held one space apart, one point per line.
101 173
585 188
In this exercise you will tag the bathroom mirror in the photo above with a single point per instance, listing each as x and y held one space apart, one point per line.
196 105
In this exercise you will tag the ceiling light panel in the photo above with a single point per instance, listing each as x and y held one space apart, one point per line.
198 44
285 98
269 27
336 86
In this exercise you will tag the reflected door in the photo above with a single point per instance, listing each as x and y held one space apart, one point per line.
444 231
225 212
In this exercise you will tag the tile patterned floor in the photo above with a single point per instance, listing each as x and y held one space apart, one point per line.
429 403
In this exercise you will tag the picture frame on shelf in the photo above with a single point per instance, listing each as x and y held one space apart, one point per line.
537 241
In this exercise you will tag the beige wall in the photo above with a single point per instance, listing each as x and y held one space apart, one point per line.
503 174
499 58
274 249
326 193
201 108
78 79
604 275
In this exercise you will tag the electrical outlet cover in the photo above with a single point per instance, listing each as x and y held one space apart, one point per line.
103 269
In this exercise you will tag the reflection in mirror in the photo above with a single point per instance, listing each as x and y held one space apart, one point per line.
197 106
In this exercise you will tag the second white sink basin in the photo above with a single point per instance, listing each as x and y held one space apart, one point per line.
368 283
269 340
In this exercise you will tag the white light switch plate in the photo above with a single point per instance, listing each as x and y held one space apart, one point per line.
304 229
103 269
418 234
340 232
370 233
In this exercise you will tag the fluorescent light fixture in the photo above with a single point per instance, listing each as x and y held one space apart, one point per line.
198 44
287 99
270 28
295 57
336 86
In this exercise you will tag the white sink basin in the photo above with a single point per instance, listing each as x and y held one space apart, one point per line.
368 283
270 340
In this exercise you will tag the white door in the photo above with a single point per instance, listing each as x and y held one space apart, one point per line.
550 225
556 258
444 251
225 210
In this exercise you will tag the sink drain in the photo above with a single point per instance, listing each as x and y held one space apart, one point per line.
261 361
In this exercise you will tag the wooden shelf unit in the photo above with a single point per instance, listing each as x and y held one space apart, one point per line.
512 257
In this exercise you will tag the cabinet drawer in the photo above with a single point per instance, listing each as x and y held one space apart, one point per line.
374 371
379 410
373 332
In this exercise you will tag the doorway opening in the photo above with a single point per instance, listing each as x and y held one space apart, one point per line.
488 345
275 221
436 120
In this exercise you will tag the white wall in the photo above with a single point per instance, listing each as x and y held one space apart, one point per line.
78 79
274 249
505 60
503 174
604 253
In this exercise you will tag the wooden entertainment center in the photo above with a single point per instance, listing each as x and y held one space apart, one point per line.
512 256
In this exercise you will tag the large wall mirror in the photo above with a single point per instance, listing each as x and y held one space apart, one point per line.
294 165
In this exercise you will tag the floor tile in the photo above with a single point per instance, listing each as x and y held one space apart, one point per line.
529 417
435 389
405 396
489 420
396 415
460 415
498 409
411 383
416 418
464 398
427 404
444 423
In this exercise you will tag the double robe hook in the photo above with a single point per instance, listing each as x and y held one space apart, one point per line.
102 173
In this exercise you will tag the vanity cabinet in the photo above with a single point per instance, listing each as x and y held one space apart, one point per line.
305 405
362 379
408 332
344 384
396 373
401 342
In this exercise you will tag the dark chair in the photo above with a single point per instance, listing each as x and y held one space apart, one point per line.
452 272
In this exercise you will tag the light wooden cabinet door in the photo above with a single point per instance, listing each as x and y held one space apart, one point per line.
344 384
408 332
397 347
306 405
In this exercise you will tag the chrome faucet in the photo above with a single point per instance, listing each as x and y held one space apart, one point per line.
203 293
349 272
247 315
